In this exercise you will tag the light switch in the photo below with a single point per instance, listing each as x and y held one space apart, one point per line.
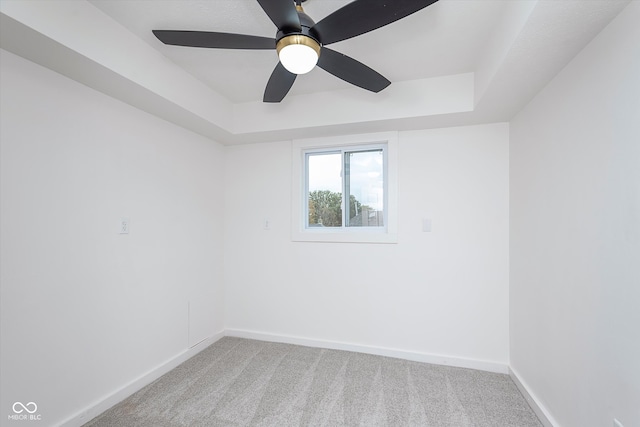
426 225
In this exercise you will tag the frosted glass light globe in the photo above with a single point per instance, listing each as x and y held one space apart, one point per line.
298 53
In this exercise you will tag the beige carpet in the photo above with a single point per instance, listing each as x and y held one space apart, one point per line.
240 382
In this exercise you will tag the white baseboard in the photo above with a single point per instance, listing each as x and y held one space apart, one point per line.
99 407
436 359
543 415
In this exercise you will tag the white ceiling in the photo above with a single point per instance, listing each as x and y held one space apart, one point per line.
456 62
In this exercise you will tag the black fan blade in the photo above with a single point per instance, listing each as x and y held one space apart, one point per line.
279 84
283 13
362 16
214 40
352 71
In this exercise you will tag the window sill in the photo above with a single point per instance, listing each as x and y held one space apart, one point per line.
344 236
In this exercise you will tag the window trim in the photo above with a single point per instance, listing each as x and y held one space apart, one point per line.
385 234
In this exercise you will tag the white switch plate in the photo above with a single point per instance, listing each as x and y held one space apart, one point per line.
266 224
426 225
124 225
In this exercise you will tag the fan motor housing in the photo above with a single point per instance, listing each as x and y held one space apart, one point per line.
306 24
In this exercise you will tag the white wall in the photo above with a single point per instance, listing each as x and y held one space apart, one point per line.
86 310
575 235
441 293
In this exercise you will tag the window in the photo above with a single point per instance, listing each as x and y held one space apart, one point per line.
345 188
346 192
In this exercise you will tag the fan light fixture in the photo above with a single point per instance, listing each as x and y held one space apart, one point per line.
298 53
301 42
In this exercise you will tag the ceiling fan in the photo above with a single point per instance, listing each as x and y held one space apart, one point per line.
301 43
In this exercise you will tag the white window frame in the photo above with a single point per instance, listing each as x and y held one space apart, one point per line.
299 206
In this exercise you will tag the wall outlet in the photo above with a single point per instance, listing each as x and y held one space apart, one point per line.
617 423
266 224
124 225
